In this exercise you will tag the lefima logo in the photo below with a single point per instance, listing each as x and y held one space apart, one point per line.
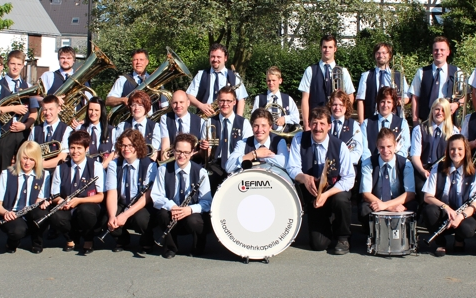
245 185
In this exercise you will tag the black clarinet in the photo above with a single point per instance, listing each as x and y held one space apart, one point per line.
65 201
29 208
444 225
134 199
185 203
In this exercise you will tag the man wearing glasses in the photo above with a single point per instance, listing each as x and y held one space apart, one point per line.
230 128
173 184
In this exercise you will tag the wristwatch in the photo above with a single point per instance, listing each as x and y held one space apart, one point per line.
464 215
443 206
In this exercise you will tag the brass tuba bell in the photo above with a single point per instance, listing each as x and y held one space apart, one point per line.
172 68
294 128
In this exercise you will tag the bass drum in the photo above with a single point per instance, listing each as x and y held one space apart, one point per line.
256 213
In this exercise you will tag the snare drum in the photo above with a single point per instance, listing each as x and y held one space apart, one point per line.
392 233
256 213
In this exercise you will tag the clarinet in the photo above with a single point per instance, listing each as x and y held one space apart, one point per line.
185 203
133 201
65 201
27 209
444 225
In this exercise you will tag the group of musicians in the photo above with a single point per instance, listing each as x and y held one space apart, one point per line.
140 174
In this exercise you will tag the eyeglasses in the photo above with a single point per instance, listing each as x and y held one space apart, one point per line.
136 105
228 102
185 153
128 146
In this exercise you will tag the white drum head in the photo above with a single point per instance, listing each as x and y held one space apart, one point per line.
396 214
256 213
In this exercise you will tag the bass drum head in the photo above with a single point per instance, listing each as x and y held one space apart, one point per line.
256 213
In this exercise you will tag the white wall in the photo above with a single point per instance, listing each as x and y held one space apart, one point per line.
49 57
6 40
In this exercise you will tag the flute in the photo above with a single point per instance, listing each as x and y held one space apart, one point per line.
132 202
65 201
444 225
185 203
27 209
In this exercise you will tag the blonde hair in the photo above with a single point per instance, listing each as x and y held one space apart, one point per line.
275 71
33 151
447 123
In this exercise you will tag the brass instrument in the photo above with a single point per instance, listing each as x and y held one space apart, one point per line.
158 114
46 151
215 106
74 87
397 71
15 99
287 136
460 90
474 158
351 144
213 142
337 79
172 68
152 150
170 156
399 141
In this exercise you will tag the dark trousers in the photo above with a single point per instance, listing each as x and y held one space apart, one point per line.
217 177
9 146
434 217
365 210
19 228
196 224
80 223
140 223
322 229
419 182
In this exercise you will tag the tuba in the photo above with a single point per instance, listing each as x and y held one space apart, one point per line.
16 99
397 75
158 114
172 68
276 111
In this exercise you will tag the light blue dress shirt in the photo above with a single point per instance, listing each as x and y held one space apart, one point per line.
387 82
156 137
64 140
164 131
417 141
444 90
305 85
98 171
292 118
356 153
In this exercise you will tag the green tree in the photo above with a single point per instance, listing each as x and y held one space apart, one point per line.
459 18
5 9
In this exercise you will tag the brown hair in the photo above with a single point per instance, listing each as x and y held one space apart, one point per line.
140 97
1 60
385 45
320 113
442 39
16 54
388 91
137 140
140 51
274 70
468 167
339 94
386 133
51 99
186 137
261 113
79 137
218 46
328 38
229 90
67 50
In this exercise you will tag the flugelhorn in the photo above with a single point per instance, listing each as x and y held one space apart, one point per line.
337 79
46 151
172 68
16 99
398 83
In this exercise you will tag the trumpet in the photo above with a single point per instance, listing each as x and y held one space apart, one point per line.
351 142
170 156
213 142
398 83
46 151
215 106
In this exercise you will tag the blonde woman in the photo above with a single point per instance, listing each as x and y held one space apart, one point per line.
429 142
27 184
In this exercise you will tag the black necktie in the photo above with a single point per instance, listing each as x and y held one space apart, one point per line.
17 85
216 87
49 134
434 145
453 198
336 127
137 126
381 79
317 168
386 193
127 180
76 178
66 76
180 125
328 79
23 193
385 124
225 145
181 186
435 87
93 149
139 79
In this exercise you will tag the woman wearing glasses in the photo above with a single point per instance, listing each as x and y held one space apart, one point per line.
126 176
171 187
140 104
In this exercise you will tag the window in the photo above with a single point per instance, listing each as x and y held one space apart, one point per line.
75 21
65 42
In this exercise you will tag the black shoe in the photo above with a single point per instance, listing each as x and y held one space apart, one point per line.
341 248
118 248
87 251
10 250
37 250
52 234
441 252
168 254
146 250
459 249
